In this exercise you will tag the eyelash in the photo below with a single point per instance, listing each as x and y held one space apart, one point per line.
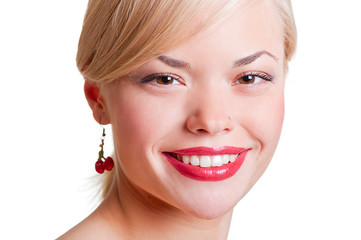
153 77
264 76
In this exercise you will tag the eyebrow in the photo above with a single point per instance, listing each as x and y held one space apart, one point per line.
240 62
251 58
174 62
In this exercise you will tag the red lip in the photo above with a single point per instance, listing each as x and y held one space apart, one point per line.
210 173
209 151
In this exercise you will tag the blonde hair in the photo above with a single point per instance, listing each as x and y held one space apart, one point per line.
284 9
119 36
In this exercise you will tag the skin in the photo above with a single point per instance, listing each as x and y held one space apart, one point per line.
209 107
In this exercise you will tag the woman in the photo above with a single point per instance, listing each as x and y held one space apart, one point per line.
194 91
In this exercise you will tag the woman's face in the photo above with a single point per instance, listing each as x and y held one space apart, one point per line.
217 99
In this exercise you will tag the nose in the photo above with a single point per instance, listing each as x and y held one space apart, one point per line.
210 115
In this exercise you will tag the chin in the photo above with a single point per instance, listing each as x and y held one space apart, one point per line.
209 208
211 213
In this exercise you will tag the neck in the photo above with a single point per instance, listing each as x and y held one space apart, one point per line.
136 214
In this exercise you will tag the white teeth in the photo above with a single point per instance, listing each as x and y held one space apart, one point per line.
217 161
207 161
186 159
232 158
194 160
225 159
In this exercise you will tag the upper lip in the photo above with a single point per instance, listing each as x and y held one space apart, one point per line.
210 151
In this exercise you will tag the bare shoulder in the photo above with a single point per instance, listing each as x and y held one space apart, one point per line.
93 227
87 229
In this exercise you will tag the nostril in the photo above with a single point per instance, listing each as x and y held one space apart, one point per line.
201 131
209 123
212 131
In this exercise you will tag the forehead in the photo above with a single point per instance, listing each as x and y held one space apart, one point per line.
251 27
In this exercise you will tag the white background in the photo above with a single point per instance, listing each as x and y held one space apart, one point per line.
49 142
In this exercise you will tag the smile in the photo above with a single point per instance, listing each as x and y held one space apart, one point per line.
207 164
206 161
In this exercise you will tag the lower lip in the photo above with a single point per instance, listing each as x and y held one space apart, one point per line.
210 173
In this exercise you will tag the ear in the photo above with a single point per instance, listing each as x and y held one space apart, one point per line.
96 102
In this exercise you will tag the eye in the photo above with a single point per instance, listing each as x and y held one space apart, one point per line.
253 78
249 79
166 80
162 79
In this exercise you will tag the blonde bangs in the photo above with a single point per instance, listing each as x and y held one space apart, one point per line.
120 36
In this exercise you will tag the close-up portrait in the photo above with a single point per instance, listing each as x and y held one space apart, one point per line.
157 119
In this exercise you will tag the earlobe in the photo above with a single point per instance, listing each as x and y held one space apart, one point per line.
95 101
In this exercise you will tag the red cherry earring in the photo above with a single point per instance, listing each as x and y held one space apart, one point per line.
103 163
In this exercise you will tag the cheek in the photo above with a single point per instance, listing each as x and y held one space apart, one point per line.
272 119
139 123
270 122
133 125
264 121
